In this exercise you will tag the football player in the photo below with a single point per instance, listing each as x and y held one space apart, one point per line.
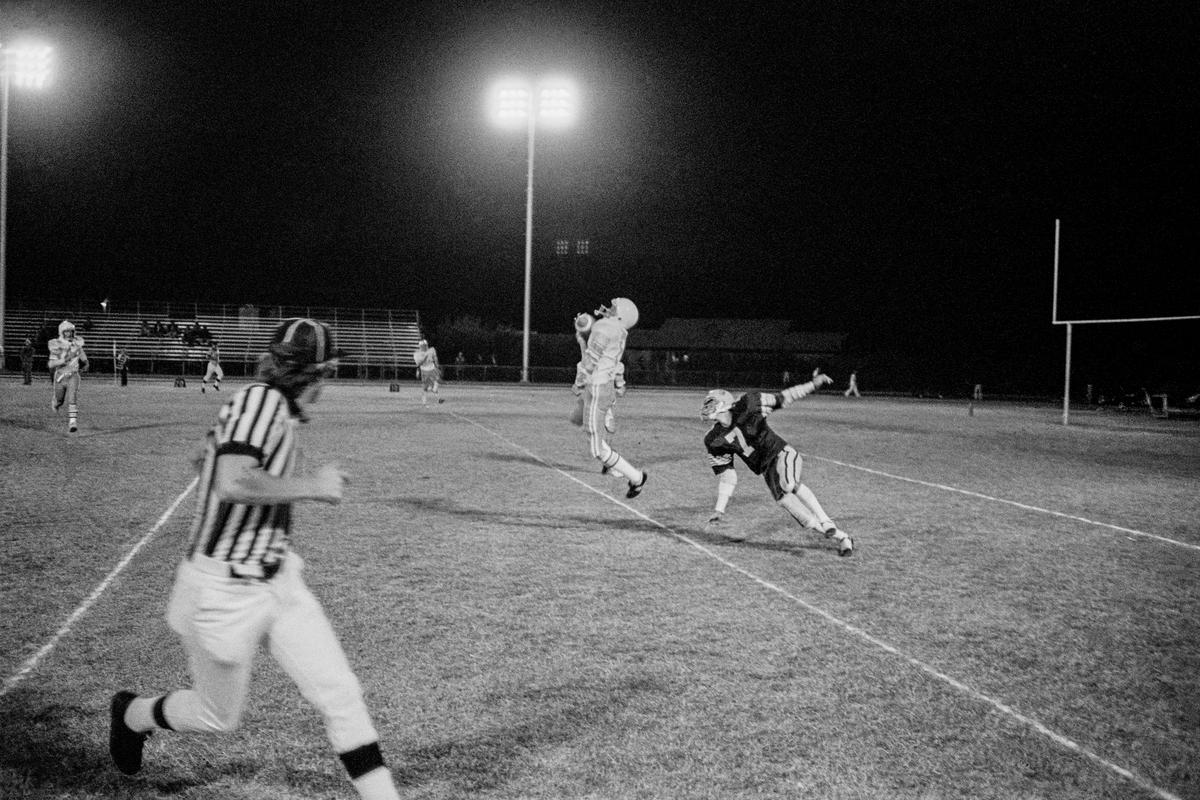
600 380
67 360
740 428
428 370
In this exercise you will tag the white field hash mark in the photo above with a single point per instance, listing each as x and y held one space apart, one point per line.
1014 503
32 662
975 694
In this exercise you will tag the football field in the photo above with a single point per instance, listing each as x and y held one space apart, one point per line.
1021 618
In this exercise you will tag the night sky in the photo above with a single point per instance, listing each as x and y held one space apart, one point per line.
887 169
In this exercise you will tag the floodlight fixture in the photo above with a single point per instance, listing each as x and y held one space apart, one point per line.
26 66
514 103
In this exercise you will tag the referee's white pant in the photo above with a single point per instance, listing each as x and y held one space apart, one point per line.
223 620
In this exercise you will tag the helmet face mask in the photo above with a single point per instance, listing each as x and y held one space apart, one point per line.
716 402
622 309
66 327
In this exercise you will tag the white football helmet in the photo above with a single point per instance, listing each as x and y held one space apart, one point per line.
64 326
622 309
715 402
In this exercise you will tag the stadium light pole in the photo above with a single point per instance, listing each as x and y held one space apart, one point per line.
516 103
28 67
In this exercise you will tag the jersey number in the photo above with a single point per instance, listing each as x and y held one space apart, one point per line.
736 434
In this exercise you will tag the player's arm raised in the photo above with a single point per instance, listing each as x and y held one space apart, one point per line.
794 393
240 479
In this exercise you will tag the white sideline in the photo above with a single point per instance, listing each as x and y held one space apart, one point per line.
31 663
1027 721
969 493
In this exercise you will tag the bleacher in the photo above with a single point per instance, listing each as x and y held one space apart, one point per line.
378 342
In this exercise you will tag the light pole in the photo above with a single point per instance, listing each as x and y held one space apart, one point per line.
514 101
27 66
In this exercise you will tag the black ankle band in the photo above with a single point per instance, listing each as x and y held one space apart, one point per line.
361 760
160 719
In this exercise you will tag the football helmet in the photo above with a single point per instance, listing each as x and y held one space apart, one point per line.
622 309
715 402
304 342
64 326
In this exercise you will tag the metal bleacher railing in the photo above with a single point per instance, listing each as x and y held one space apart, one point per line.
172 338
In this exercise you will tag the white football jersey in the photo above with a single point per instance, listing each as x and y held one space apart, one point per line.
605 347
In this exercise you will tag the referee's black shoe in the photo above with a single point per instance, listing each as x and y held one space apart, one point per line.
124 743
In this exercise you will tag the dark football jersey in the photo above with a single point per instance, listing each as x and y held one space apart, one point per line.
748 435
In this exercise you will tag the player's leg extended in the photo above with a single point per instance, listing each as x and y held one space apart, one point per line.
306 647
598 400
782 477
71 393
220 643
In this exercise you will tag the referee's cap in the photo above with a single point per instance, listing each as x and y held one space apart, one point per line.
305 341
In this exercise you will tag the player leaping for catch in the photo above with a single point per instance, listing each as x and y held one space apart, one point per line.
599 381
740 428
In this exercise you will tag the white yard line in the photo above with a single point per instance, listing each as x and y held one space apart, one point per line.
32 662
1014 503
1004 709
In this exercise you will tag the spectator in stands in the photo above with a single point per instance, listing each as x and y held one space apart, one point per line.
213 368
122 364
459 361
27 361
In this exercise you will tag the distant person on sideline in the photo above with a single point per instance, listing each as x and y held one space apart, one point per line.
852 389
27 361
122 365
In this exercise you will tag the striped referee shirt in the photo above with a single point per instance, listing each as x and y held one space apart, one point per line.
258 422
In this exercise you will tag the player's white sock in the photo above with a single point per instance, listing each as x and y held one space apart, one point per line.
810 500
626 470
798 510
139 716
376 785
72 414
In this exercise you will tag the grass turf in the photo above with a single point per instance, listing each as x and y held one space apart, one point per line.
523 631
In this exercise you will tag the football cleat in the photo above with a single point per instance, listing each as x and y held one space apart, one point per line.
846 547
124 743
73 427
636 488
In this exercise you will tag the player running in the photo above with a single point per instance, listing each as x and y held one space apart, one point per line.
240 586
599 381
428 370
67 360
740 428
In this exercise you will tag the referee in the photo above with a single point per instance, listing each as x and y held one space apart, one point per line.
239 585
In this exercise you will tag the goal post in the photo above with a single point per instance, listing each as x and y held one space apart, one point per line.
1070 323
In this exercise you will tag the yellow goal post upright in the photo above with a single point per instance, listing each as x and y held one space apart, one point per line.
1070 323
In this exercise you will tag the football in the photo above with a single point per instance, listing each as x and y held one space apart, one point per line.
583 322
